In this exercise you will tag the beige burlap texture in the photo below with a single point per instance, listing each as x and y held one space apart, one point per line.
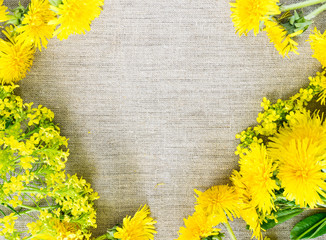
151 99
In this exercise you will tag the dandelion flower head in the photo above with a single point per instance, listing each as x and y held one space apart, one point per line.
139 227
75 16
247 14
256 169
49 227
283 41
16 58
35 28
300 150
198 226
3 12
247 209
318 45
220 201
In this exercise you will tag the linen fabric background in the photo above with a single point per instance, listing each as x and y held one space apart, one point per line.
151 99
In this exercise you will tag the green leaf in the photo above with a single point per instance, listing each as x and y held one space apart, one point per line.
281 216
310 227
219 236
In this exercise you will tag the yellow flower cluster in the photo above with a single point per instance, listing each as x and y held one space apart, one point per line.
32 179
282 162
30 28
265 15
32 162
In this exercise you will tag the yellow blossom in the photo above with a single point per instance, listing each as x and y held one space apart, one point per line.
198 226
52 228
15 201
318 45
75 16
283 41
3 12
247 209
138 227
16 58
320 81
300 149
35 28
247 14
256 169
7 224
220 201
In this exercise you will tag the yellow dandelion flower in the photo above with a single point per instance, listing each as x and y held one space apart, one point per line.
3 12
247 14
75 16
256 169
318 45
198 226
220 201
248 209
16 58
139 227
300 149
55 229
320 80
283 41
35 28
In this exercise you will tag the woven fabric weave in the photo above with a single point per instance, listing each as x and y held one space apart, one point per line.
151 99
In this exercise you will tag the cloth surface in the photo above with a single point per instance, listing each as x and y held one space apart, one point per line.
151 99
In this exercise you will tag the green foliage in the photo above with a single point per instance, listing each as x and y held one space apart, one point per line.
296 22
219 236
309 228
280 217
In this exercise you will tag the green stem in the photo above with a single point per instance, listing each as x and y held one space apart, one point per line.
317 11
230 231
300 5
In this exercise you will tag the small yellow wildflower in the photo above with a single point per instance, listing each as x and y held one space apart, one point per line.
300 149
320 81
247 14
35 28
318 45
256 169
139 227
198 226
15 202
75 16
220 201
3 12
283 41
16 58
7 224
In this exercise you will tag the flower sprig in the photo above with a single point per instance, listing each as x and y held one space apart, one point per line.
282 23
282 163
30 28
33 182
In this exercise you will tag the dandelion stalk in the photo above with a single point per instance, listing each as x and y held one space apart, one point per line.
230 231
317 11
300 5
